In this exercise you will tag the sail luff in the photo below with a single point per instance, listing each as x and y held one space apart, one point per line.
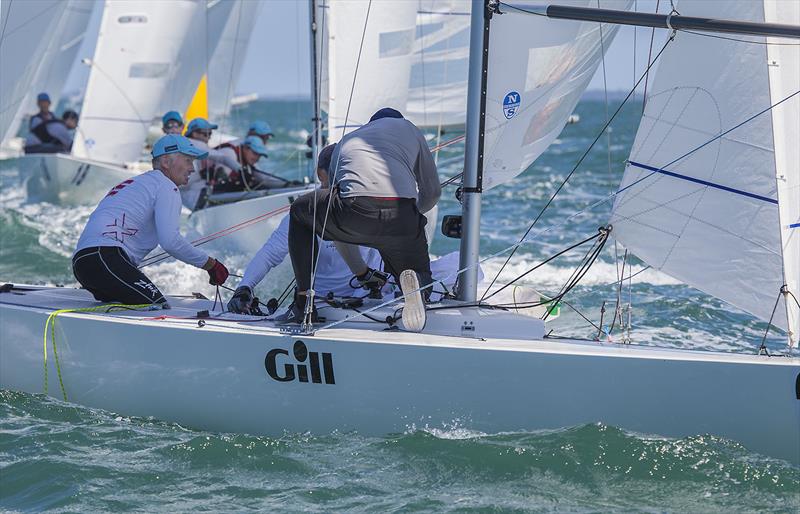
784 80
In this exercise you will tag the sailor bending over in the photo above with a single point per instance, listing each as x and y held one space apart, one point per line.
52 136
248 176
134 217
385 179
333 274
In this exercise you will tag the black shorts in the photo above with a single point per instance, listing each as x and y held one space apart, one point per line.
108 273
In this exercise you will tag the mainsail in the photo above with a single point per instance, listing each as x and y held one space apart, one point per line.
359 79
438 84
538 70
699 199
227 60
132 69
21 50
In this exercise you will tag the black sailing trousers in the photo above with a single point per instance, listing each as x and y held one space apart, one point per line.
394 227
108 273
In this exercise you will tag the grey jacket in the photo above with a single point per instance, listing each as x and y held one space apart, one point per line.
388 157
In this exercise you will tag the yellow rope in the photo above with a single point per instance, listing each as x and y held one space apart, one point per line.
51 324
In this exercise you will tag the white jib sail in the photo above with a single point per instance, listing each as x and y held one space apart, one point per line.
23 42
538 70
704 208
133 67
227 60
437 94
380 78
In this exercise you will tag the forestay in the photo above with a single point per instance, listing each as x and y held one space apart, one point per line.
438 85
705 209
21 50
380 77
538 70
227 60
133 66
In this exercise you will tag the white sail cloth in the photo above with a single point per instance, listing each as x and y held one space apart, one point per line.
437 94
133 67
227 60
58 58
707 209
538 70
354 87
22 47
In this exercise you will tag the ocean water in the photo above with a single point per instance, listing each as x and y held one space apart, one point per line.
58 456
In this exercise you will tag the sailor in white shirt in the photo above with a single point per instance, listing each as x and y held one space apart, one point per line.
137 215
333 274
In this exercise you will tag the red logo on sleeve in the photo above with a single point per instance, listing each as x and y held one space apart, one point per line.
116 189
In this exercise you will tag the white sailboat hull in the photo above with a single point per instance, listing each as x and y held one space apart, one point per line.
65 180
269 210
376 382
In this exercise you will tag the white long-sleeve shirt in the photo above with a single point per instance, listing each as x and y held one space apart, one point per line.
139 214
333 274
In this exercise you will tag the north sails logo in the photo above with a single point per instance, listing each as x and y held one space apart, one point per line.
300 370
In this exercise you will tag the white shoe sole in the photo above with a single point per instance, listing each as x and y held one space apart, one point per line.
414 316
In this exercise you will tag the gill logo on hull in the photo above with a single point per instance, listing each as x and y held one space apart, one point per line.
318 366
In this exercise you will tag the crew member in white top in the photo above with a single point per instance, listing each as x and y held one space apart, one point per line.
135 216
333 274
193 195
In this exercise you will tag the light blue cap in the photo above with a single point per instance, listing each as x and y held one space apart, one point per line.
42 97
255 144
261 128
200 124
172 116
174 143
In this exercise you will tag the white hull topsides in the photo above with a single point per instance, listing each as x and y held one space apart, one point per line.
239 374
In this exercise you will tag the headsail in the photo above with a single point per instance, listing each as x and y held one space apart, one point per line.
538 70
133 67
438 85
21 50
385 58
703 208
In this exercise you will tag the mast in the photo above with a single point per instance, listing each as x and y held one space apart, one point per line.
668 21
472 180
316 134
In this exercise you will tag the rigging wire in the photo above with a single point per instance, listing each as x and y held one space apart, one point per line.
649 60
728 38
580 161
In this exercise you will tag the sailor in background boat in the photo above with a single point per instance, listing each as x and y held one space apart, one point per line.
44 114
247 176
333 274
135 216
172 123
194 193
262 130
52 136
384 179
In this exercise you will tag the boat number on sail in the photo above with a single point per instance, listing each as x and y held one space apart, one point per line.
318 365
511 104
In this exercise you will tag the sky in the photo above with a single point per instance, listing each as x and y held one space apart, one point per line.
277 61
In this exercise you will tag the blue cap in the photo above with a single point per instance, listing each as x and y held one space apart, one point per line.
200 124
172 116
386 112
261 128
255 144
42 97
173 143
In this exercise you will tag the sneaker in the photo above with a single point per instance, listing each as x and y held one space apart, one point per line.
295 315
414 315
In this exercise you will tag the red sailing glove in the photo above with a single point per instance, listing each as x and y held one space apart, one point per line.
218 274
